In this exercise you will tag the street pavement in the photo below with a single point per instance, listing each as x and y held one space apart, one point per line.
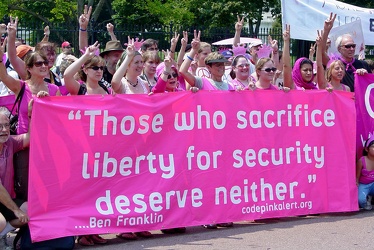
328 231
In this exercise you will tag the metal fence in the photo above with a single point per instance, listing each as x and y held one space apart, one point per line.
32 33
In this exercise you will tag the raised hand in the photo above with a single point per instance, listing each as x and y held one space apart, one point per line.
2 48
239 23
12 27
47 31
110 27
85 17
184 40
130 50
91 50
2 28
329 23
195 44
286 33
175 39
273 43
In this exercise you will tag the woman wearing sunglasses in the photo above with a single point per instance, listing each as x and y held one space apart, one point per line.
90 74
37 69
265 71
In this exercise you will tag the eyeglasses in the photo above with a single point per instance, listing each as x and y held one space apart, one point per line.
270 69
40 63
174 75
241 66
96 68
6 126
348 46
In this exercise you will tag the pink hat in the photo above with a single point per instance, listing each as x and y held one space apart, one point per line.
65 44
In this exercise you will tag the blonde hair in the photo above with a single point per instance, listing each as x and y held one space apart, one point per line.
331 67
204 45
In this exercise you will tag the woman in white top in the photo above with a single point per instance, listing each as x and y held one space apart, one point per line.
126 79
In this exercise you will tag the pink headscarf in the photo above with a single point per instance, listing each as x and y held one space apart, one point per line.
298 79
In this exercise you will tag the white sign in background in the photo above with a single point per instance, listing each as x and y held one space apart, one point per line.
307 16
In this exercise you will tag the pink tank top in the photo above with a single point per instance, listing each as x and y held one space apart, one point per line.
367 176
23 119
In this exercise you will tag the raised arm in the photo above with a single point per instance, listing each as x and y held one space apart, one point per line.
195 44
312 51
121 71
274 53
182 51
321 80
110 29
329 23
287 69
160 86
70 83
173 44
84 19
46 34
17 63
12 83
238 31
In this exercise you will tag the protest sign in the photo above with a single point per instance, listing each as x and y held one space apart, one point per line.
127 163
307 16
364 95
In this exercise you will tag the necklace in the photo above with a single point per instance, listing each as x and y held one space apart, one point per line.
132 84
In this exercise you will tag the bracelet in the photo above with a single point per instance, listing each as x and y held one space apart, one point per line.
189 57
82 29
172 51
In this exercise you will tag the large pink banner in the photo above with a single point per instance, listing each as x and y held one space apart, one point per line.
364 94
126 163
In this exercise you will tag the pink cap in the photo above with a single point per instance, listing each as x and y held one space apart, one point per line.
65 44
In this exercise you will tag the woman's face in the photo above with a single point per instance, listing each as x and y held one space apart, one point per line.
40 67
172 82
267 72
306 71
95 72
136 65
217 69
337 72
242 70
51 56
150 66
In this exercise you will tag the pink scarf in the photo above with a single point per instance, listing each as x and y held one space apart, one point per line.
348 64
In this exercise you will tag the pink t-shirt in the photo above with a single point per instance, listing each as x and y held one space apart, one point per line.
23 119
11 146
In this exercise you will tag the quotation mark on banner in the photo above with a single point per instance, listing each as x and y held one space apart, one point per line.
312 178
77 115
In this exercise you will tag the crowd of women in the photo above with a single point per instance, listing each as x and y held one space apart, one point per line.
138 70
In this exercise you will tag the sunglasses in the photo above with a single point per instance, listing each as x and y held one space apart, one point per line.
174 75
241 66
40 63
96 68
67 47
270 69
348 46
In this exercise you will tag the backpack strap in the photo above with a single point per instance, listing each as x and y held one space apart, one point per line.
18 99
